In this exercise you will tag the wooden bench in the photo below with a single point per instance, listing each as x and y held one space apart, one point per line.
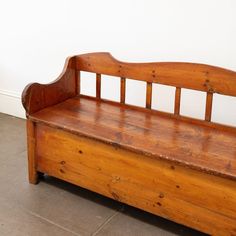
177 167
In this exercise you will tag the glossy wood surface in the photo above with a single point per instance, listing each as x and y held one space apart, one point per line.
209 101
177 101
184 75
196 199
149 95
122 90
160 136
180 168
38 96
98 85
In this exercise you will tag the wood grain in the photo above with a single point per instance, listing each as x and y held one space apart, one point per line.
180 168
177 101
184 75
199 147
31 144
171 191
38 96
149 95
77 82
98 86
122 90
208 111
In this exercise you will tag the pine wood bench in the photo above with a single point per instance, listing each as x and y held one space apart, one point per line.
177 167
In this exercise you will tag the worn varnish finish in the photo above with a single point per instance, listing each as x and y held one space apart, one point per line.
156 186
177 167
38 96
195 146
184 75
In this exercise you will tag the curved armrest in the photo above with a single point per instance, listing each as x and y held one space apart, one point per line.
38 96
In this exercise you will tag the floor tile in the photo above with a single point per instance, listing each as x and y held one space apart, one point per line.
12 135
14 221
134 222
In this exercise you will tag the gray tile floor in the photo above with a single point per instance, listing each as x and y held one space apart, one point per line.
54 207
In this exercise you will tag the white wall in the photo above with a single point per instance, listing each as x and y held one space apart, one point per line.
37 36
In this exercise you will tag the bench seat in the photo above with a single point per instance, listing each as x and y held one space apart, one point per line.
149 132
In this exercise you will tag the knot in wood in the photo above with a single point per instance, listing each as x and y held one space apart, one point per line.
115 179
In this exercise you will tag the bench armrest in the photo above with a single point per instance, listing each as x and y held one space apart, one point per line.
37 96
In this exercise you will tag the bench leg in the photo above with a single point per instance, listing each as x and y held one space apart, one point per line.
31 142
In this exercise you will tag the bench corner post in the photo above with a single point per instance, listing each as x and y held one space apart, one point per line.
31 145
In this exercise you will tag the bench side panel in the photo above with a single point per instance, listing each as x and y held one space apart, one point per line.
38 96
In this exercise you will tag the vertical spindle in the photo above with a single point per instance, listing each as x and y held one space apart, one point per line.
177 100
77 82
122 90
209 99
98 86
149 95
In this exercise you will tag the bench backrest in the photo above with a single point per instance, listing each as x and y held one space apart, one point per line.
200 77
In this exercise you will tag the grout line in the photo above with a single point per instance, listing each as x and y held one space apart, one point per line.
51 222
107 221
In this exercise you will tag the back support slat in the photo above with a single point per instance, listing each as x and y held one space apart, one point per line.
77 82
208 111
177 101
122 89
98 85
184 75
149 95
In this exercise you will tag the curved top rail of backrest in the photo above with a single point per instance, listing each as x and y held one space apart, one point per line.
183 75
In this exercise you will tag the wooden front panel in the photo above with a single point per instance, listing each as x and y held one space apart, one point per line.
198 200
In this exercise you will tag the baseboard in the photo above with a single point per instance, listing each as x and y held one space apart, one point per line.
10 103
